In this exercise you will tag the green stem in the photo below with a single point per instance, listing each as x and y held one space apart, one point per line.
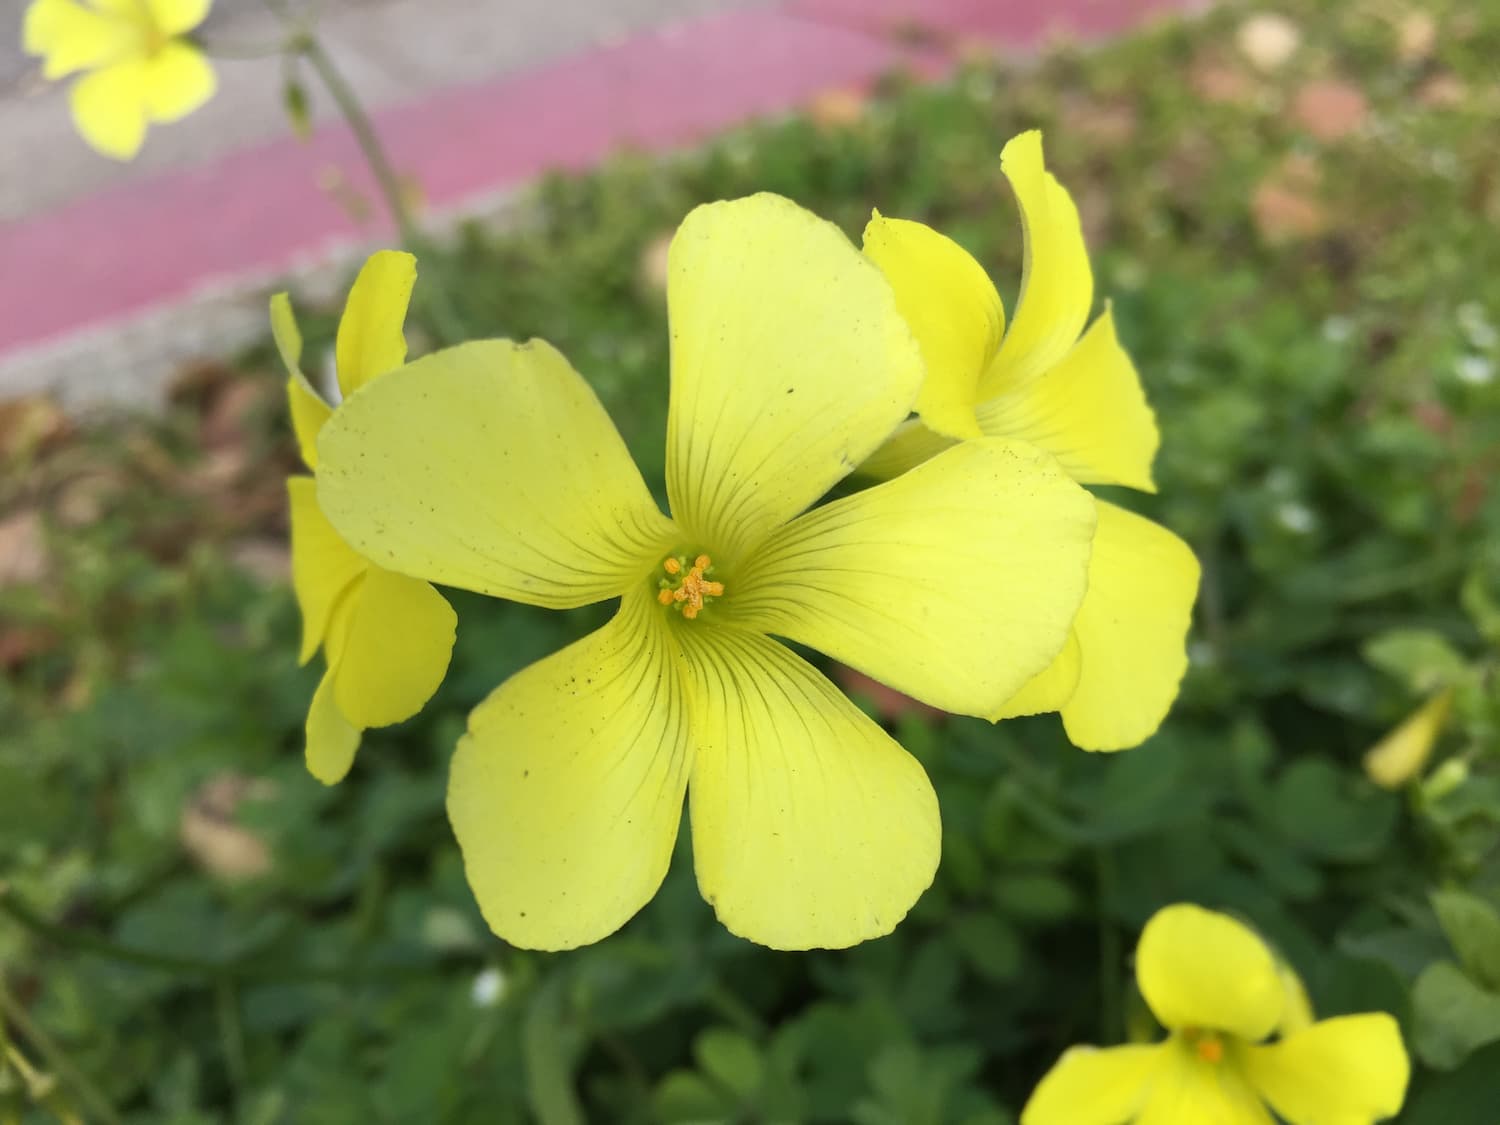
444 319
72 938
227 1005
735 1010
1111 1016
12 1010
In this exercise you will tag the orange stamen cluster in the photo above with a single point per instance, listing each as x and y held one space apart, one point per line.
1210 1048
691 588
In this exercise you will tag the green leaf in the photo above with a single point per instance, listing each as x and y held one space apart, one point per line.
1473 927
1421 659
989 944
1331 813
731 1058
1035 896
1481 605
1464 1097
1453 1015
684 1098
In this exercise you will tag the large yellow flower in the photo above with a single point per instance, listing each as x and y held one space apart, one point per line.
140 70
1218 990
493 466
387 637
1080 399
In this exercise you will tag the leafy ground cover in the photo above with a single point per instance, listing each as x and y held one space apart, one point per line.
1288 212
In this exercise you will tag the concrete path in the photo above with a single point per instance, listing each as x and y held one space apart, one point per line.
110 275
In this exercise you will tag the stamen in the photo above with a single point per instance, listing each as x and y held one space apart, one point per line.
689 591
1210 1049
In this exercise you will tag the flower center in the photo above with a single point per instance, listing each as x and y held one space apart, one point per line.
687 588
1206 1044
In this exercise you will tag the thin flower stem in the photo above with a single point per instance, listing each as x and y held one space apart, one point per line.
444 319
242 52
56 1058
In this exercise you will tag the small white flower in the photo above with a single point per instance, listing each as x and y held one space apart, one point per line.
1475 370
488 988
1337 329
1296 517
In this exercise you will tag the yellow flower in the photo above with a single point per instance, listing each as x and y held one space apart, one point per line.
1079 399
1218 990
1400 755
140 70
387 637
493 466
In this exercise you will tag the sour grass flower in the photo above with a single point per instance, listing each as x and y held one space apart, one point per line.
493 466
387 638
1403 753
1080 399
139 68
1242 1044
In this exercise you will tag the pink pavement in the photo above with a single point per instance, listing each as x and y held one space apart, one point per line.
258 211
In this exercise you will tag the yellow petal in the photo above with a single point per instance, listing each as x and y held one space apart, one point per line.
331 738
493 467
72 36
109 108
1088 1086
910 445
954 583
178 80
1400 755
790 365
309 413
951 306
1132 632
1200 969
1298 1012
174 17
323 566
1189 1090
812 828
1088 410
1057 285
1351 1070
307 409
1050 688
567 791
396 650
370 341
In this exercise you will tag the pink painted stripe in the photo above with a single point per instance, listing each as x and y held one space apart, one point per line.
257 211
1017 23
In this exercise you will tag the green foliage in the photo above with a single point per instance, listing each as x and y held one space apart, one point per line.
296 954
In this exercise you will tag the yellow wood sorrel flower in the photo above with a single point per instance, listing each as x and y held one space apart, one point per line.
1080 399
493 466
387 637
1400 755
140 70
1218 990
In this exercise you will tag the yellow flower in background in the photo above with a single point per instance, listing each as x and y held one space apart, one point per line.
1400 755
387 637
1080 399
493 466
139 69
1218 990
